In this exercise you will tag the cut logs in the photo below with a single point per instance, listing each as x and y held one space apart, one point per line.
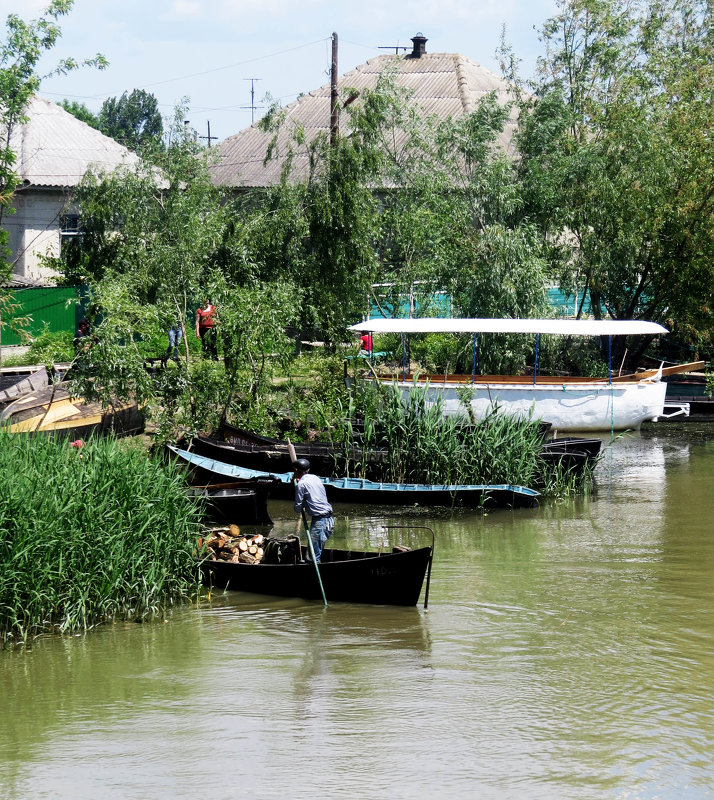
229 544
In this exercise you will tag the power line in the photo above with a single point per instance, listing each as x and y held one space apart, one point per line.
231 66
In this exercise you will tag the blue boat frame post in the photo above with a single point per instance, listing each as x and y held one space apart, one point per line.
535 363
473 371
404 358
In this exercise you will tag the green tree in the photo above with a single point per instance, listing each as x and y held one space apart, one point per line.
81 111
453 218
317 228
617 158
21 49
133 120
155 243
403 198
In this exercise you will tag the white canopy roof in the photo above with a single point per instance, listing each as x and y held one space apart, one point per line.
566 327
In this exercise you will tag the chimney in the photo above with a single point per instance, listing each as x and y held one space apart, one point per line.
419 46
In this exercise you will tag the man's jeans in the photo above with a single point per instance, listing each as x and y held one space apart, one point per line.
175 336
320 532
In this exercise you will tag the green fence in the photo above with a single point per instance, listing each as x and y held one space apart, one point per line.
49 309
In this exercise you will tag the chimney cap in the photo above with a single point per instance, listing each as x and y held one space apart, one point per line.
419 45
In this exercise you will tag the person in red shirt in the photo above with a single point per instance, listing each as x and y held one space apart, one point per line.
365 344
206 328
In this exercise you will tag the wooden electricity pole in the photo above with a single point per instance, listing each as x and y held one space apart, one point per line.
334 117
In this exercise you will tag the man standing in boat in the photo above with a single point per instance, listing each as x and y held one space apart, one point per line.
310 496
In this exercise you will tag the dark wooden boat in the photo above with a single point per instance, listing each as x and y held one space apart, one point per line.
390 578
267 457
591 447
361 490
242 503
250 450
571 454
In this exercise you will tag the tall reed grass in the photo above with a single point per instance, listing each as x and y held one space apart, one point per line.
89 534
407 439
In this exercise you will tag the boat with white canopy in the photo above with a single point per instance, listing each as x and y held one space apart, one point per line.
567 403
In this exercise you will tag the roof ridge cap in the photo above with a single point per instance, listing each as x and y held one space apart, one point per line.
462 85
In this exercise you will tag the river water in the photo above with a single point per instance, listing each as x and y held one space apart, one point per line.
567 652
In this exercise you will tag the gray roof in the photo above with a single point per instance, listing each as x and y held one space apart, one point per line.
54 148
443 84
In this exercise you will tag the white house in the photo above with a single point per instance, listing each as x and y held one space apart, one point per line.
54 150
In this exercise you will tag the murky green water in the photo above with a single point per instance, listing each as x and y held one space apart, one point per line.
567 653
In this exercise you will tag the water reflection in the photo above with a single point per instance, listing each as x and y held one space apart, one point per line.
566 652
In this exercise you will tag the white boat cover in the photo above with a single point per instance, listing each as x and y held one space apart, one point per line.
564 327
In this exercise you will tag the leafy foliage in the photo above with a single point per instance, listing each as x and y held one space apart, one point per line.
21 49
617 164
81 111
133 120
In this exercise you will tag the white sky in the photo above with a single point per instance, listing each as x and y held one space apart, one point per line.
207 50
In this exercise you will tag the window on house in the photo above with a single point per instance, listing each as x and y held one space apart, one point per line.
69 230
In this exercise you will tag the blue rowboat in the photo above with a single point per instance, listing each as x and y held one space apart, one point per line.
361 490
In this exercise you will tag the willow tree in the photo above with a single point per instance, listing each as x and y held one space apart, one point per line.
400 198
617 158
156 241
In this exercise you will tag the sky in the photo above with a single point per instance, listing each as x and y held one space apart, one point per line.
214 51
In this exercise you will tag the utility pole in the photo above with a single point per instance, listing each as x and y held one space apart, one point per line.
209 137
252 105
334 117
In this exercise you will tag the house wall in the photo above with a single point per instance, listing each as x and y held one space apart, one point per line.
34 230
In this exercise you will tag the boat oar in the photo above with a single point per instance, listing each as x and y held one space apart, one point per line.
293 458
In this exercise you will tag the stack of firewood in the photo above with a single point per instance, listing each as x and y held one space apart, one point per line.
229 544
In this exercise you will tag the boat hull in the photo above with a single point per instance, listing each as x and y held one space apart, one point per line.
53 409
361 490
582 406
393 578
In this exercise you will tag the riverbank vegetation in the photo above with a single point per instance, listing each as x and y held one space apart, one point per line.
90 534
611 147
604 190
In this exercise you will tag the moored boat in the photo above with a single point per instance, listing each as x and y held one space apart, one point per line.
361 490
16 382
384 578
239 502
567 403
275 456
54 409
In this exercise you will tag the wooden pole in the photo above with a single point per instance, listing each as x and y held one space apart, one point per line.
334 118
293 458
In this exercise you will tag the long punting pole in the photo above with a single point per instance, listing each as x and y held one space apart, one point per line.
293 458
312 555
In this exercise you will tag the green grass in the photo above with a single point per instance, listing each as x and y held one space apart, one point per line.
89 535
